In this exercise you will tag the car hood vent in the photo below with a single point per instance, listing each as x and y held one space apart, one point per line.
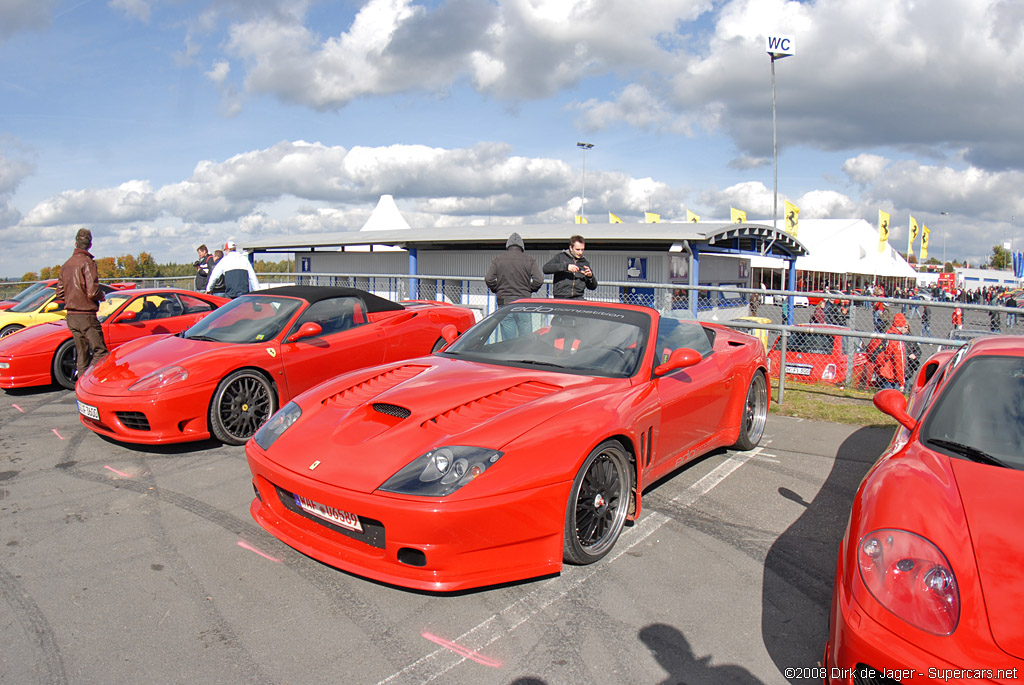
359 393
473 412
391 410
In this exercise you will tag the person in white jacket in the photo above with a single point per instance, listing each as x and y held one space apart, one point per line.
239 277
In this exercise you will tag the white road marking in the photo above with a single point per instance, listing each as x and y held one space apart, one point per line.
440 661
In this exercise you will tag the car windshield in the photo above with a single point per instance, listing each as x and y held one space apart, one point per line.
29 291
110 303
980 414
808 343
31 304
248 319
587 340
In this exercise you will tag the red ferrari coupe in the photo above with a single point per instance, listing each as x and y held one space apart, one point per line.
44 354
930 579
227 374
820 354
527 441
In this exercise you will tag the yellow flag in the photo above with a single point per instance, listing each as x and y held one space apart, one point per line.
612 219
652 218
738 216
883 230
792 218
692 218
925 234
913 236
581 219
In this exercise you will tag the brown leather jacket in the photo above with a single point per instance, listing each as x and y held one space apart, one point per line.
79 284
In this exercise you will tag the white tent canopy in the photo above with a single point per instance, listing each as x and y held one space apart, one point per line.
385 216
843 246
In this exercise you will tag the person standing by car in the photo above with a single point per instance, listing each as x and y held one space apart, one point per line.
1011 318
239 277
889 356
203 266
572 273
512 275
79 288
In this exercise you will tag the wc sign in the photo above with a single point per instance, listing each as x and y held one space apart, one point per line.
779 46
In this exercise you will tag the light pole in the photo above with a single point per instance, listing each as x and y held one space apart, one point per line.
944 241
777 48
583 180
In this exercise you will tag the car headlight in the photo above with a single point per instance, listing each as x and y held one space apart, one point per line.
441 471
168 375
910 577
277 425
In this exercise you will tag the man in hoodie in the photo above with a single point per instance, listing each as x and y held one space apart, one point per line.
239 277
512 275
572 273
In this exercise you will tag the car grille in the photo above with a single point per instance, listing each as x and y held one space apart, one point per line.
135 420
373 530
392 410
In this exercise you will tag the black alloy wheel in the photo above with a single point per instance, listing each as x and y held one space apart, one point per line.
598 503
243 402
65 365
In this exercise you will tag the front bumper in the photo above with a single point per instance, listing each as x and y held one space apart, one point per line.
419 543
175 415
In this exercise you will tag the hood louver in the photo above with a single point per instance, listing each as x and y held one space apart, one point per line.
362 392
471 413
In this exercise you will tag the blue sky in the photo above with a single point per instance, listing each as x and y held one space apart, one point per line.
165 124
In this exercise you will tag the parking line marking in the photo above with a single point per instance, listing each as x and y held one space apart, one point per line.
57 434
245 545
120 473
18 408
462 651
434 665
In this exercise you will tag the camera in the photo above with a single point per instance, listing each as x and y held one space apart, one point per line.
197 263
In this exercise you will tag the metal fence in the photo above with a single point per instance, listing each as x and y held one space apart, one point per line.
818 339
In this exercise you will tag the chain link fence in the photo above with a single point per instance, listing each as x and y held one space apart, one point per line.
831 339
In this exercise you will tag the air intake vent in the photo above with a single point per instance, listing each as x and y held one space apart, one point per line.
371 387
469 414
391 410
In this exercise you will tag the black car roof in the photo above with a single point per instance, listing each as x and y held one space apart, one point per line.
315 293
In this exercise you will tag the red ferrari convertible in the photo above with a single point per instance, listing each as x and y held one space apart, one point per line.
527 441
226 375
45 354
929 579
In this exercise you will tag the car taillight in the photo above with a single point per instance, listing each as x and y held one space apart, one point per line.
829 373
910 577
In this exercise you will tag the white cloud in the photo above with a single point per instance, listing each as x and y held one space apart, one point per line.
24 15
138 9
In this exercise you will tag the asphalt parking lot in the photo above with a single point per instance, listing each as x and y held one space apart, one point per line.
143 565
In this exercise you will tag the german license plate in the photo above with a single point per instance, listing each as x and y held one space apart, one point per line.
89 411
798 370
335 516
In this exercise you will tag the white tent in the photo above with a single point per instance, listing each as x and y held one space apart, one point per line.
843 246
385 216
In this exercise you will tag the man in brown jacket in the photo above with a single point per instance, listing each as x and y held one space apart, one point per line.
79 288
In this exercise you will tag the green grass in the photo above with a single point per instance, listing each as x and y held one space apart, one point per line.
824 403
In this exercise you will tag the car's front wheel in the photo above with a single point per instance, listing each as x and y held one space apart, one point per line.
243 402
65 365
598 503
755 413
7 330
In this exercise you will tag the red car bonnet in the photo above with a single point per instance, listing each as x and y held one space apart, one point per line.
994 506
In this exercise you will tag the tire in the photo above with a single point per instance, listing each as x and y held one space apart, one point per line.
243 402
597 506
441 342
755 413
65 365
7 330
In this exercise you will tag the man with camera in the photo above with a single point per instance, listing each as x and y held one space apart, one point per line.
572 273
203 266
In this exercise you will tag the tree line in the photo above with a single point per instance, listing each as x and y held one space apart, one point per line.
144 266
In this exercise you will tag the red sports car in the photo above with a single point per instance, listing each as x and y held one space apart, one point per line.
44 354
26 293
821 354
527 441
227 374
930 579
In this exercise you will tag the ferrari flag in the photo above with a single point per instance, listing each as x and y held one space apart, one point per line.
612 219
792 218
692 218
737 216
925 234
581 219
652 218
883 230
914 230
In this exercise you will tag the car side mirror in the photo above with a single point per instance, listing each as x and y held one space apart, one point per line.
127 316
892 402
449 333
52 307
306 330
681 358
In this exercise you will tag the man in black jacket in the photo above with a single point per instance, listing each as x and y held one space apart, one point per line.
572 273
513 275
